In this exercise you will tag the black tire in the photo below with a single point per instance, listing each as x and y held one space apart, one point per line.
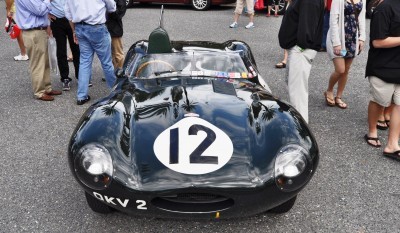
284 207
96 205
129 3
281 8
201 5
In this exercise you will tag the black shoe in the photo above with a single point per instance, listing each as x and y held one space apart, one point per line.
66 85
103 79
80 102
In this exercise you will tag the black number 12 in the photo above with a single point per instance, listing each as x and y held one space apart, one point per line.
196 155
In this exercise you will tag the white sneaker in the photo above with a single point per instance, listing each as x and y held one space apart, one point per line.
250 25
233 25
21 58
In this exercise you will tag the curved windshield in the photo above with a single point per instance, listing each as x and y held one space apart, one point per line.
193 63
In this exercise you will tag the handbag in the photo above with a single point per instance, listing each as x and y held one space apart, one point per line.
52 49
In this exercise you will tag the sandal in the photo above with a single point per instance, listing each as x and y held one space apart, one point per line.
329 101
281 65
367 139
382 125
339 102
387 123
392 155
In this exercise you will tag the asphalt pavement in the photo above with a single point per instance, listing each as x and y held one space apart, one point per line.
355 188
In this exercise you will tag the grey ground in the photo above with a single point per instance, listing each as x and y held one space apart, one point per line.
355 189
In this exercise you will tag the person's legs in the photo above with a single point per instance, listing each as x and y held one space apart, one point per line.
374 110
117 52
342 83
381 96
58 29
276 10
101 42
85 60
36 44
394 131
299 67
21 44
269 10
74 49
340 67
387 112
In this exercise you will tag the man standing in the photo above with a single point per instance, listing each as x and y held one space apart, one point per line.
61 31
383 72
87 19
116 30
32 19
301 35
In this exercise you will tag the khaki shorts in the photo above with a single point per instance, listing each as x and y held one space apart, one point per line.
384 93
241 3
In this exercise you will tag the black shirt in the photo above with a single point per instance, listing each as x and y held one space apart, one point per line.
302 25
114 19
384 63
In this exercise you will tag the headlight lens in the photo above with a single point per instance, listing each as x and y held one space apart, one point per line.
93 166
290 165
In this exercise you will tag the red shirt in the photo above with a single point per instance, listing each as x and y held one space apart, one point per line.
328 5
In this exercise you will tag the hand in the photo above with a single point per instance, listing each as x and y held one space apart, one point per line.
75 38
360 46
49 32
51 17
337 49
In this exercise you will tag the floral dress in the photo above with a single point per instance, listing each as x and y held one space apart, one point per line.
350 27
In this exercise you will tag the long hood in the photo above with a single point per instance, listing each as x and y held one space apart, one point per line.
174 136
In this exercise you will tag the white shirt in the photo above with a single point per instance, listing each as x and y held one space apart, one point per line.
89 11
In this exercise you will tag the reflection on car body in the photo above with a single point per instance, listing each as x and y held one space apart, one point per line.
191 130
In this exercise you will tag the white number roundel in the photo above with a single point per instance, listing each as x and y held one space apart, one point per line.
193 146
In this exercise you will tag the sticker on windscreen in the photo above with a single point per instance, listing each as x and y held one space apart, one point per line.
193 146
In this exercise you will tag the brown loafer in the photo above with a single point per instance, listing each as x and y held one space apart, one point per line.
46 97
54 92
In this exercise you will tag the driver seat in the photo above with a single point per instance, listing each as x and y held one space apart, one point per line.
159 41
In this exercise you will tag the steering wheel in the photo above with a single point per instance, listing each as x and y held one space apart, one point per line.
156 62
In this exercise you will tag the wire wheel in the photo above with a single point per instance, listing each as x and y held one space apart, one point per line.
201 5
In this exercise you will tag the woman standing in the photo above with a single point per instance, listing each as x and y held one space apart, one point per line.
345 40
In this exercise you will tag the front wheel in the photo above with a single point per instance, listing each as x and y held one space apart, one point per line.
284 207
96 205
201 5
281 7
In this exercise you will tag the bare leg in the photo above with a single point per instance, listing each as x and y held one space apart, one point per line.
394 130
343 77
374 110
251 17
21 44
340 67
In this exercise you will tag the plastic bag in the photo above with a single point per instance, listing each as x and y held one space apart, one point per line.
53 55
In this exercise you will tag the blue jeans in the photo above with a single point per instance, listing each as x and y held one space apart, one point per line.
327 15
91 39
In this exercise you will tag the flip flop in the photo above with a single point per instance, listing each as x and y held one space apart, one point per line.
341 105
387 123
367 139
393 155
381 126
329 101
281 65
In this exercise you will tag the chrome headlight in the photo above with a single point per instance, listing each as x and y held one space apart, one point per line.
291 164
93 166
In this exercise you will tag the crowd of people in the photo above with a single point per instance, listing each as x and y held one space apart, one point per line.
308 26
89 27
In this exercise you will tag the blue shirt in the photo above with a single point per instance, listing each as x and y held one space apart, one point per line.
89 11
57 8
32 13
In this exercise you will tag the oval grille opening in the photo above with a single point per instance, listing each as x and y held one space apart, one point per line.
193 202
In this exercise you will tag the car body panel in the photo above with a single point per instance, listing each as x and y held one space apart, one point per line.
238 117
